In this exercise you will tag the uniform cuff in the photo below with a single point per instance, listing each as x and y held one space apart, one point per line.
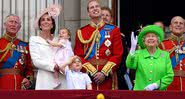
107 68
90 68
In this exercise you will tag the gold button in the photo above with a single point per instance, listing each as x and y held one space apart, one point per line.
150 71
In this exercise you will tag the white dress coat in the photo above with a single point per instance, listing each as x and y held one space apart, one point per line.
42 56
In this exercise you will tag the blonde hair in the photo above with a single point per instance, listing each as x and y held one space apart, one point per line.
74 61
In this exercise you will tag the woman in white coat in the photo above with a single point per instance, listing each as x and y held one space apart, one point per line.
42 53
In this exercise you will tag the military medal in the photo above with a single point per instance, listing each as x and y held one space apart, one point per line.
107 32
21 49
107 52
21 60
107 43
13 47
17 48
183 48
25 50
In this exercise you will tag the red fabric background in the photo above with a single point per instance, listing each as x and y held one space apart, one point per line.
83 94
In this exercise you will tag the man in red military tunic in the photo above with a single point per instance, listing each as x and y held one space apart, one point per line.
15 64
100 48
175 45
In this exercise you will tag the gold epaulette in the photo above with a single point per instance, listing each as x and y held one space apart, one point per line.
90 68
108 67
95 36
79 33
175 38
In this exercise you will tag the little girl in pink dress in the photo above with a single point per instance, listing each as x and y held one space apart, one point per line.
63 48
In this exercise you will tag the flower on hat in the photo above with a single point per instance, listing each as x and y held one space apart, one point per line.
54 10
150 29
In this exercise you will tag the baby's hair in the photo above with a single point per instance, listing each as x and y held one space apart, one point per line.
68 31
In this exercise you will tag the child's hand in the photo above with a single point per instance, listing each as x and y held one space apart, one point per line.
71 59
56 68
49 41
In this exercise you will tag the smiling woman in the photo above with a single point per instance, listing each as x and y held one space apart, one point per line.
42 53
153 66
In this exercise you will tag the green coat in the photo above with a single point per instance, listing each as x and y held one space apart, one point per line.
151 69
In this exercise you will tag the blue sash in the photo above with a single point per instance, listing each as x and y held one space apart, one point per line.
180 56
102 33
10 62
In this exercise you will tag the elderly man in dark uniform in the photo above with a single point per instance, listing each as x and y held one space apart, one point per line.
15 64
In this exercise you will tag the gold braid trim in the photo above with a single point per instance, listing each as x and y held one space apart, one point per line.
9 38
107 68
90 49
85 41
8 47
92 38
90 68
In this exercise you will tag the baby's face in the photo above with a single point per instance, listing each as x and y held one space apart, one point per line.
63 33
76 65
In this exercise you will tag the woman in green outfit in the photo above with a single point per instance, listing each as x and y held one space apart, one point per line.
153 66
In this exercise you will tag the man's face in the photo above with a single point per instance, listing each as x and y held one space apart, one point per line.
177 25
12 25
106 16
94 10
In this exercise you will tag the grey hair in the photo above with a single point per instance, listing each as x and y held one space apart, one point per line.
14 15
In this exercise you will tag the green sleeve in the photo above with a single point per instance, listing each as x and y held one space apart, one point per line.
168 78
131 61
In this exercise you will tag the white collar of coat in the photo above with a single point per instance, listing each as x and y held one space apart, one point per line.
38 39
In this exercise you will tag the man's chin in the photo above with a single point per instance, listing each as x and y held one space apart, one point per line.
12 32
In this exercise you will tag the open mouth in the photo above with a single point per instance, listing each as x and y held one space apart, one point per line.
95 12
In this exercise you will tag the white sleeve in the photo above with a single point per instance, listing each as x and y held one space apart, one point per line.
70 49
37 58
87 79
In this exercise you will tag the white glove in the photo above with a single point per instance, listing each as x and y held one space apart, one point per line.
133 43
151 87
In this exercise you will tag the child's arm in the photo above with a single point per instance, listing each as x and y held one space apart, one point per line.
62 66
89 86
55 44
88 82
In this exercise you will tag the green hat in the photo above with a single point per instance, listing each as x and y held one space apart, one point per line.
150 29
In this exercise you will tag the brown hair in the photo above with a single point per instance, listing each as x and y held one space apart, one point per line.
90 2
53 22
107 9
68 31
